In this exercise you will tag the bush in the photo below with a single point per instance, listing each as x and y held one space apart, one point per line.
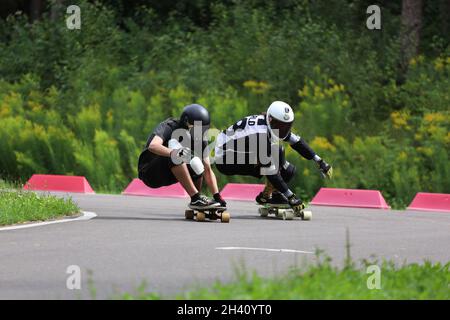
85 102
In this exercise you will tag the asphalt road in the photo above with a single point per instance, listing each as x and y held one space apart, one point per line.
137 238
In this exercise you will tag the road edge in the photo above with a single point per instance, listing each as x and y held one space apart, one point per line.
87 215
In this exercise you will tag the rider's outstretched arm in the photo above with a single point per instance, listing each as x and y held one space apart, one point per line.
300 145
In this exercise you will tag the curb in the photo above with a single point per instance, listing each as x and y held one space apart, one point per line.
87 215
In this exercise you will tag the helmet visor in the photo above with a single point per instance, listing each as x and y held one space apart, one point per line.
281 129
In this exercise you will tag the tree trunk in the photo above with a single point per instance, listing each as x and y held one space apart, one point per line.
57 9
411 27
36 7
445 17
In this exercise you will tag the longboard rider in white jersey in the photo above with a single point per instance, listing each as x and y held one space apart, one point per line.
252 147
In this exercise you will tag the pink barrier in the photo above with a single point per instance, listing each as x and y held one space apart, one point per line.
48 182
241 191
138 188
350 198
431 202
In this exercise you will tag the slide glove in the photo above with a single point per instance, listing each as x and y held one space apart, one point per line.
325 169
178 156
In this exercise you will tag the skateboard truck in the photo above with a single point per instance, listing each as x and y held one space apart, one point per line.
212 214
284 212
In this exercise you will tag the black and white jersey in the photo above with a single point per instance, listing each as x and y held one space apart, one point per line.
248 140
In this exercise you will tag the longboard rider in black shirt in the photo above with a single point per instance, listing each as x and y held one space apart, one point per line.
177 152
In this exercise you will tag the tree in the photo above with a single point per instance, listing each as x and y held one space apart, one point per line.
411 20
36 8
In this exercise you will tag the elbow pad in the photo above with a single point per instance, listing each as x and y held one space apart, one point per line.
303 149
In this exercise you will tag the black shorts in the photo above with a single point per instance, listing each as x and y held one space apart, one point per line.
286 170
252 170
156 172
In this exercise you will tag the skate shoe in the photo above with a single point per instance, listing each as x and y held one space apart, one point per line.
202 202
262 198
278 199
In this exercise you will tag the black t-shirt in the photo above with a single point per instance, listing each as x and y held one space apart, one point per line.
167 130
164 130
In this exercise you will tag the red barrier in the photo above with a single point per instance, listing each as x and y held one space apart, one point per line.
48 182
241 191
350 198
138 188
431 202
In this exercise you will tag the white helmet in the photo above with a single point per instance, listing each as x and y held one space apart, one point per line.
279 117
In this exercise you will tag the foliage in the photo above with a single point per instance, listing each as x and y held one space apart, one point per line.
326 281
84 101
23 206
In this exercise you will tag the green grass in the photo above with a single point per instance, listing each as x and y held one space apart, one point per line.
323 281
18 206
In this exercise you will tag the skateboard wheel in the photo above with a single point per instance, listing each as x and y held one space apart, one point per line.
281 214
289 215
225 217
189 214
201 216
307 215
264 212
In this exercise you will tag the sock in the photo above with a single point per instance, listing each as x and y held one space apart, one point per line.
195 197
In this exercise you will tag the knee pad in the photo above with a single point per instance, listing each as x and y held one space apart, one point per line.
288 171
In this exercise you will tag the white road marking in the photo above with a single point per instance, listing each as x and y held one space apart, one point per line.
264 249
86 216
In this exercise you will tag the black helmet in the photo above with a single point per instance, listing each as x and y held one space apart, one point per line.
192 113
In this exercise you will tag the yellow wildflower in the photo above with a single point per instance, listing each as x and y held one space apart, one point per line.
436 117
257 87
438 64
304 92
250 84
402 156
339 140
433 129
322 144
425 151
35 106
5 110
399 119
264 85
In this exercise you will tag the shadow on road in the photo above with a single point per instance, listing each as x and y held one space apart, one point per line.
169 218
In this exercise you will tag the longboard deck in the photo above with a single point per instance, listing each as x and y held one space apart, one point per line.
206 208
278 206
283 211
